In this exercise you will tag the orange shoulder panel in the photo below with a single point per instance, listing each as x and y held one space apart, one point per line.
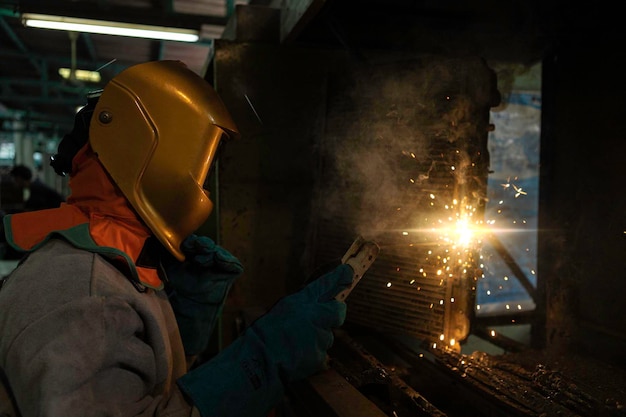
30 228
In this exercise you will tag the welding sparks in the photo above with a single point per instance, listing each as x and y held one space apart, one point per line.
518 191
106 65
253 109
463 231
454 227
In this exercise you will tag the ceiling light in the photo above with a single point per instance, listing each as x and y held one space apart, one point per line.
73 24
80 75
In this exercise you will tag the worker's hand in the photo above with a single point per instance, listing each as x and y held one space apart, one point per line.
297 331
286 344
198 287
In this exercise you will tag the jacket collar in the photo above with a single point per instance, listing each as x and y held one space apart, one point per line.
94 200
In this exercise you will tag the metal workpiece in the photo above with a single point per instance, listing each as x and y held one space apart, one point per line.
384 383
329 394
407 167
407 377
360 256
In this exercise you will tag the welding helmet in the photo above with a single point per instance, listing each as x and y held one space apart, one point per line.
156 129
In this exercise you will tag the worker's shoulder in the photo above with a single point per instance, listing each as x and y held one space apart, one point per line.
58 273
47 281
59 278
55 268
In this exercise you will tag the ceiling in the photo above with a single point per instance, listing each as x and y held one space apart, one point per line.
32 91
31 88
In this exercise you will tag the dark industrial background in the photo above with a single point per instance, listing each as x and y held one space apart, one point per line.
296 76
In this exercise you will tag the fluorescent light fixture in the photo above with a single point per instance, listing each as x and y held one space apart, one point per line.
73 24
81 75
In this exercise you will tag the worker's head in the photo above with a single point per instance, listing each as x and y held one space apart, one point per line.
21 175
156 128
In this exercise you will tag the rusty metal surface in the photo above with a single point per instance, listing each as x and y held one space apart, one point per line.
483 385
382 384
542 391
404 377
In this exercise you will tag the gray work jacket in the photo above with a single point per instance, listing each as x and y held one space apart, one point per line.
78 339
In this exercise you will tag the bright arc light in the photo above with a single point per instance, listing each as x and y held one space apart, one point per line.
109 28
463 232
81 75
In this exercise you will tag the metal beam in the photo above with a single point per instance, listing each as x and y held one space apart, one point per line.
63 61
37 119
510 261
88 41
53 85
296 14
61 101
18 42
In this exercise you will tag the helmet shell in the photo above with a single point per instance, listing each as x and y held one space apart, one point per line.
156 129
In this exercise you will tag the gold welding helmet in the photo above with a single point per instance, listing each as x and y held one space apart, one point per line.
156 129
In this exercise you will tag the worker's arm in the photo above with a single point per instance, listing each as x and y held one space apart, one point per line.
79 340
288 343
93 356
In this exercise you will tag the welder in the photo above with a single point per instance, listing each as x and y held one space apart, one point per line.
117 293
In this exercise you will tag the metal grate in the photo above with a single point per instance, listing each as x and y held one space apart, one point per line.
406 165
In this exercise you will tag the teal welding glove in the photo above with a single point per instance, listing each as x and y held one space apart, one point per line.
286 344
197 288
